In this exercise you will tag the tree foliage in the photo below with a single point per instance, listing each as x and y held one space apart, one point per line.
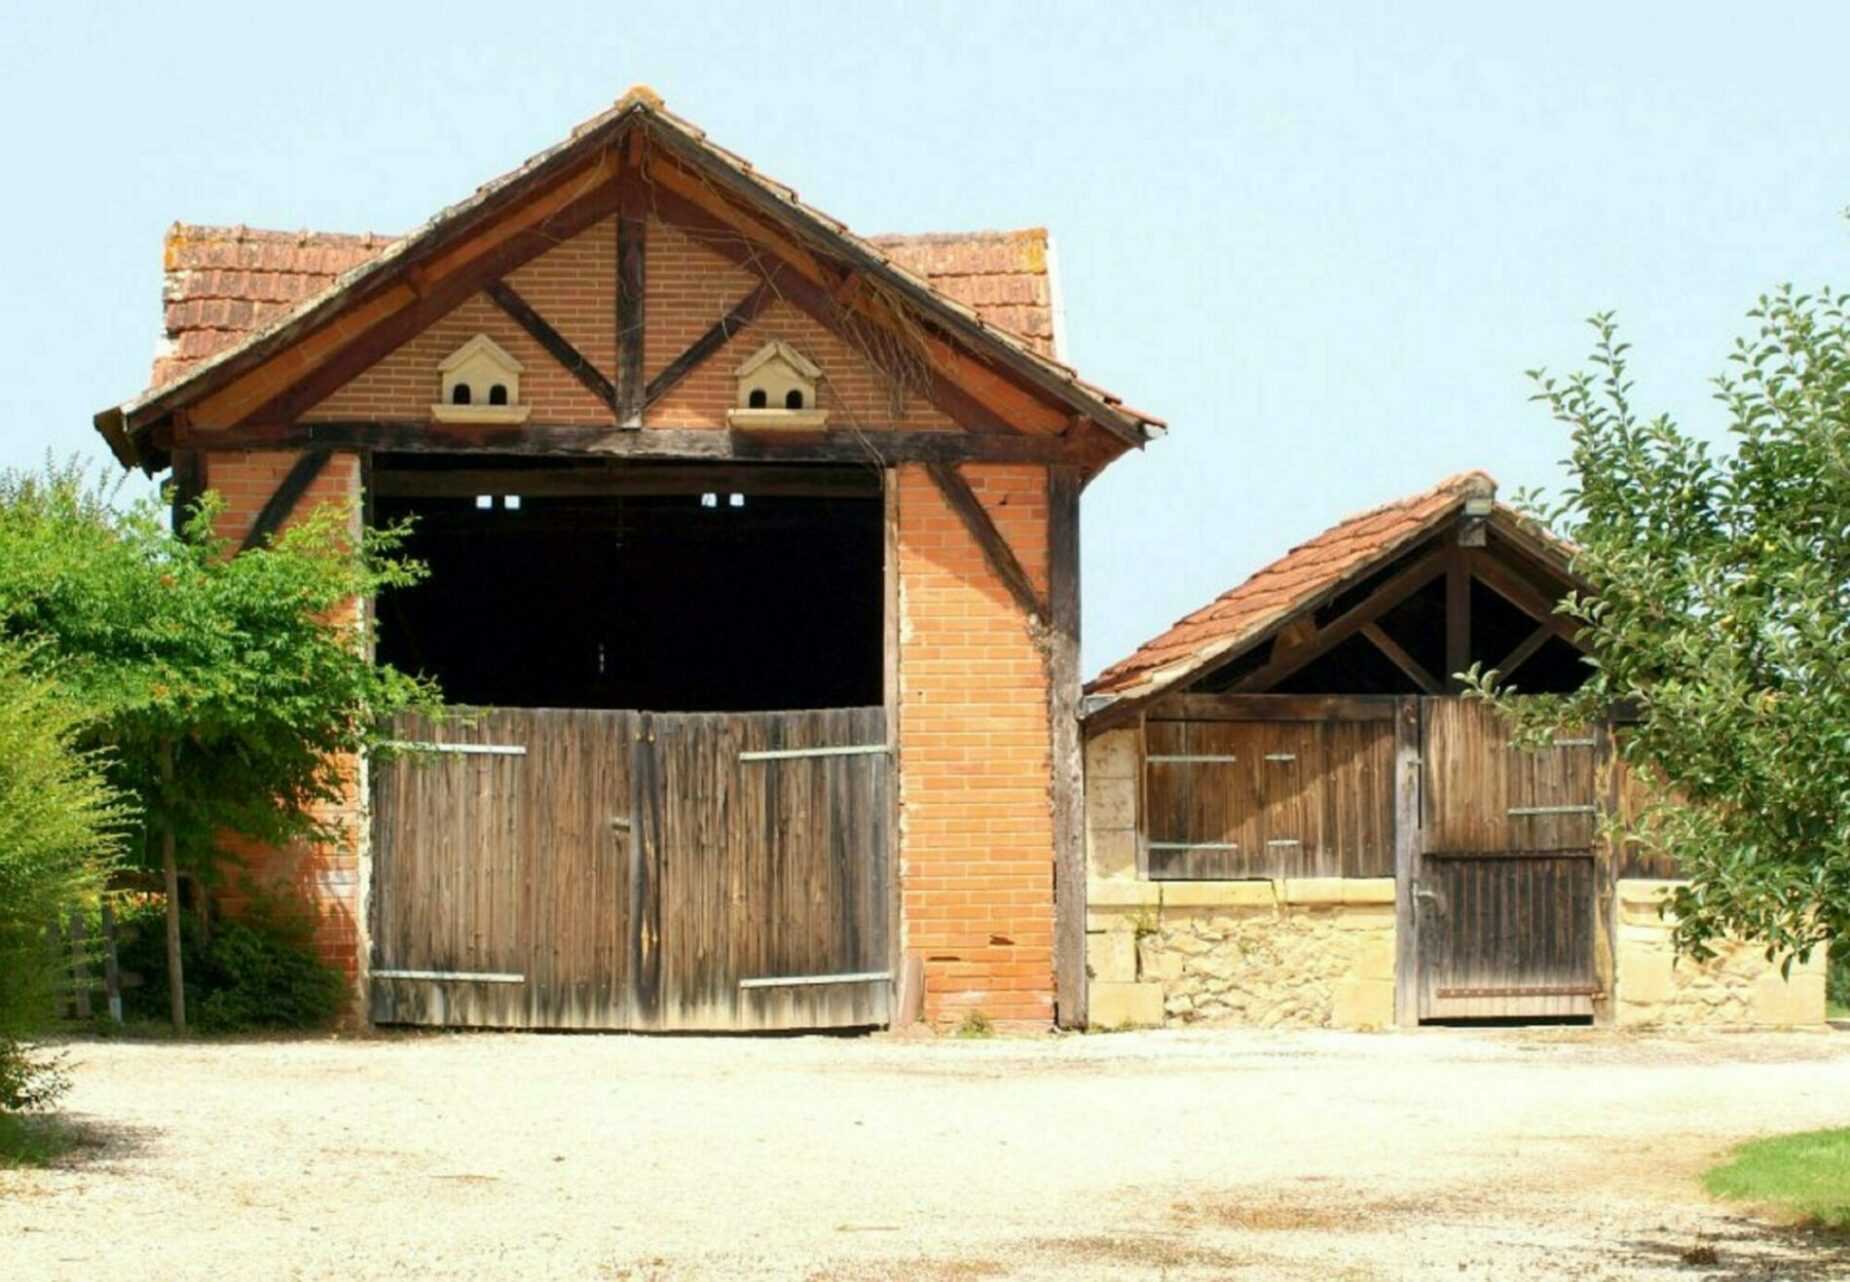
59 827
226 693
1719 613
255 667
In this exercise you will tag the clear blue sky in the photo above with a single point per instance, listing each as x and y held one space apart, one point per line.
1323 240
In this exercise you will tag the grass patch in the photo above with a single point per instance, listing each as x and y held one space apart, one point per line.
33 1139
976 1024
1804 1176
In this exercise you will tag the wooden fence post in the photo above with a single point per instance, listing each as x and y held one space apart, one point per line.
1408 770
112 971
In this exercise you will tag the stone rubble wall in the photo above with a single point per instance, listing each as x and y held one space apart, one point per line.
1739 987
1310 953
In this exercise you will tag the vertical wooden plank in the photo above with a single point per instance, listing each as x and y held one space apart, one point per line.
1457 619
893 958
1063 488
189 483
631 257
1407 778
645 924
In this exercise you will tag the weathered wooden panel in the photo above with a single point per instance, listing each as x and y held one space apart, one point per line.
1287 798
1272 707
1506 893
1498 796
1629 798
1506 935
633 870
506 863
773 868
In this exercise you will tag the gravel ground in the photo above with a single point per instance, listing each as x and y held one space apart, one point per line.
1559 1153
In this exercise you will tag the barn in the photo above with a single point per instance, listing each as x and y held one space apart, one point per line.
1293 818
754 543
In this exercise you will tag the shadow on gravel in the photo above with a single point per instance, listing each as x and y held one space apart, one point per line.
90 1140
1746 1249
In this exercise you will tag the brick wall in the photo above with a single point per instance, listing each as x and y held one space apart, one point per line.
687 287
330 878
404 385
974 753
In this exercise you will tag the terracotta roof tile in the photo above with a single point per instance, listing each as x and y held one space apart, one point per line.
225 283
1285 586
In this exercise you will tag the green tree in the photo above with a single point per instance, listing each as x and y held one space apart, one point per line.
60 824
1719 614
231 692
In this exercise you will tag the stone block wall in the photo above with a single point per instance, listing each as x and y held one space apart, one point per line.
1737 988
1312 953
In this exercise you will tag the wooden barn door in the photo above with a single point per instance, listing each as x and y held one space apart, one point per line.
762 858
556 868
1505 889
501 872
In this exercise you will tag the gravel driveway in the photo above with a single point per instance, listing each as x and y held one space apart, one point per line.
1564 1153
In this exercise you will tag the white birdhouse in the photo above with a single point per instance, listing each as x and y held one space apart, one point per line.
480 383
777 392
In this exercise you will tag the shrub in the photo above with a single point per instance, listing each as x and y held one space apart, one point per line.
266 977
57 824
1837 976
258 972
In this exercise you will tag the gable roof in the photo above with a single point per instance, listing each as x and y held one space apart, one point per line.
1304 576
284 312
223 284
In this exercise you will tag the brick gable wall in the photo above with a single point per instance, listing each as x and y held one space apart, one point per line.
687 288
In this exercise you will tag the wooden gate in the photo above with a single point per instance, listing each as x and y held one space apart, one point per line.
1506 882
554 868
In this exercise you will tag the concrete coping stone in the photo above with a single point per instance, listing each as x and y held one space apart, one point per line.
1122 892
1218 894
1338 890
1297 891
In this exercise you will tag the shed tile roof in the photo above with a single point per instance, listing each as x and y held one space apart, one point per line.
223 284
1286 586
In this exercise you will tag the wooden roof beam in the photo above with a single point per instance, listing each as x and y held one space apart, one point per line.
556 345
1415 576
881 445
1410 666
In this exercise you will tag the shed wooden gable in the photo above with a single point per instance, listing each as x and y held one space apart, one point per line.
1337 587
625 268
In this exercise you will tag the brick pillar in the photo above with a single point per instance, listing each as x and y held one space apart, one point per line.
975 752
330 878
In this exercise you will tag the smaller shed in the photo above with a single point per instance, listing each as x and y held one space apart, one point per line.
1293 818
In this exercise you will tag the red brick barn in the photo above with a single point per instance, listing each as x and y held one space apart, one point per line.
757 540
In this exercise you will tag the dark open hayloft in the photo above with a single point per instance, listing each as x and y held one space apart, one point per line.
679 589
